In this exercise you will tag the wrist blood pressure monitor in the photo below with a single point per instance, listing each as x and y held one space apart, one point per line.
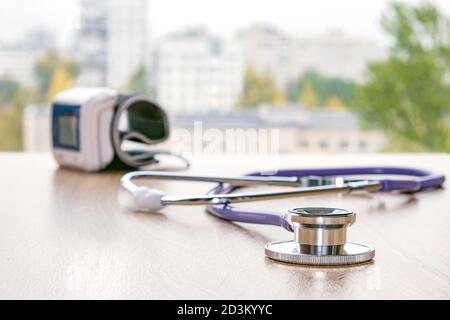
98 128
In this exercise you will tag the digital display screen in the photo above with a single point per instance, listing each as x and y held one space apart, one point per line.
65 126
67 133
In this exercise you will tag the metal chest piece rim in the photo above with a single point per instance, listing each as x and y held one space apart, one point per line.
320 238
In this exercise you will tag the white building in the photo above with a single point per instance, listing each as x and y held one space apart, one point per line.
127 40
18 59
195 71
112 41
297 129
334 54
18 64
91 42
36 129
267 50
286 58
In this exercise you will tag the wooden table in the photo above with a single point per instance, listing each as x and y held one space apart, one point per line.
63 235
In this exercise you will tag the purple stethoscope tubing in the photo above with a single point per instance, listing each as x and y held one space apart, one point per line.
419 180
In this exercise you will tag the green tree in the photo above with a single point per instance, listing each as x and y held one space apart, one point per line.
258 88
138 81
11 128
334 102
308 95
8 88
408 95
279 99
11 116
46 67
325 88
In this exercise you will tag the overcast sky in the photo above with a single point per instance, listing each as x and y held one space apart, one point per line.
301 17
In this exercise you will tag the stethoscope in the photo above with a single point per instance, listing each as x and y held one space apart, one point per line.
320 234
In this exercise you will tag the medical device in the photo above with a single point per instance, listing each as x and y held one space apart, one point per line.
98 128
319 233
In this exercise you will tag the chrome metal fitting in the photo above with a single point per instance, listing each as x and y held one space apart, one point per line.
320 238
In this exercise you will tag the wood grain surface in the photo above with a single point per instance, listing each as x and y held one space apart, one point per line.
63 235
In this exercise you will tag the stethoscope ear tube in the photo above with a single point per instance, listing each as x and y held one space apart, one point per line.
417 180
150 199
153 200
412 186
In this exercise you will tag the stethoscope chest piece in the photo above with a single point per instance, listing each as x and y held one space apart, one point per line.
320 238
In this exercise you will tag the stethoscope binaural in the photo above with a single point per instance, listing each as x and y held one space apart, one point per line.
320 234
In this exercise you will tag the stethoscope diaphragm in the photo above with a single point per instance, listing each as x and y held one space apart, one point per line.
320 238
352 253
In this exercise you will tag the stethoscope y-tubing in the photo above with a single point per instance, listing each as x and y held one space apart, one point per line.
221 196
236 214
422 179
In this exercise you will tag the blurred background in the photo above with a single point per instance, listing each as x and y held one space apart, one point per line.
332 76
